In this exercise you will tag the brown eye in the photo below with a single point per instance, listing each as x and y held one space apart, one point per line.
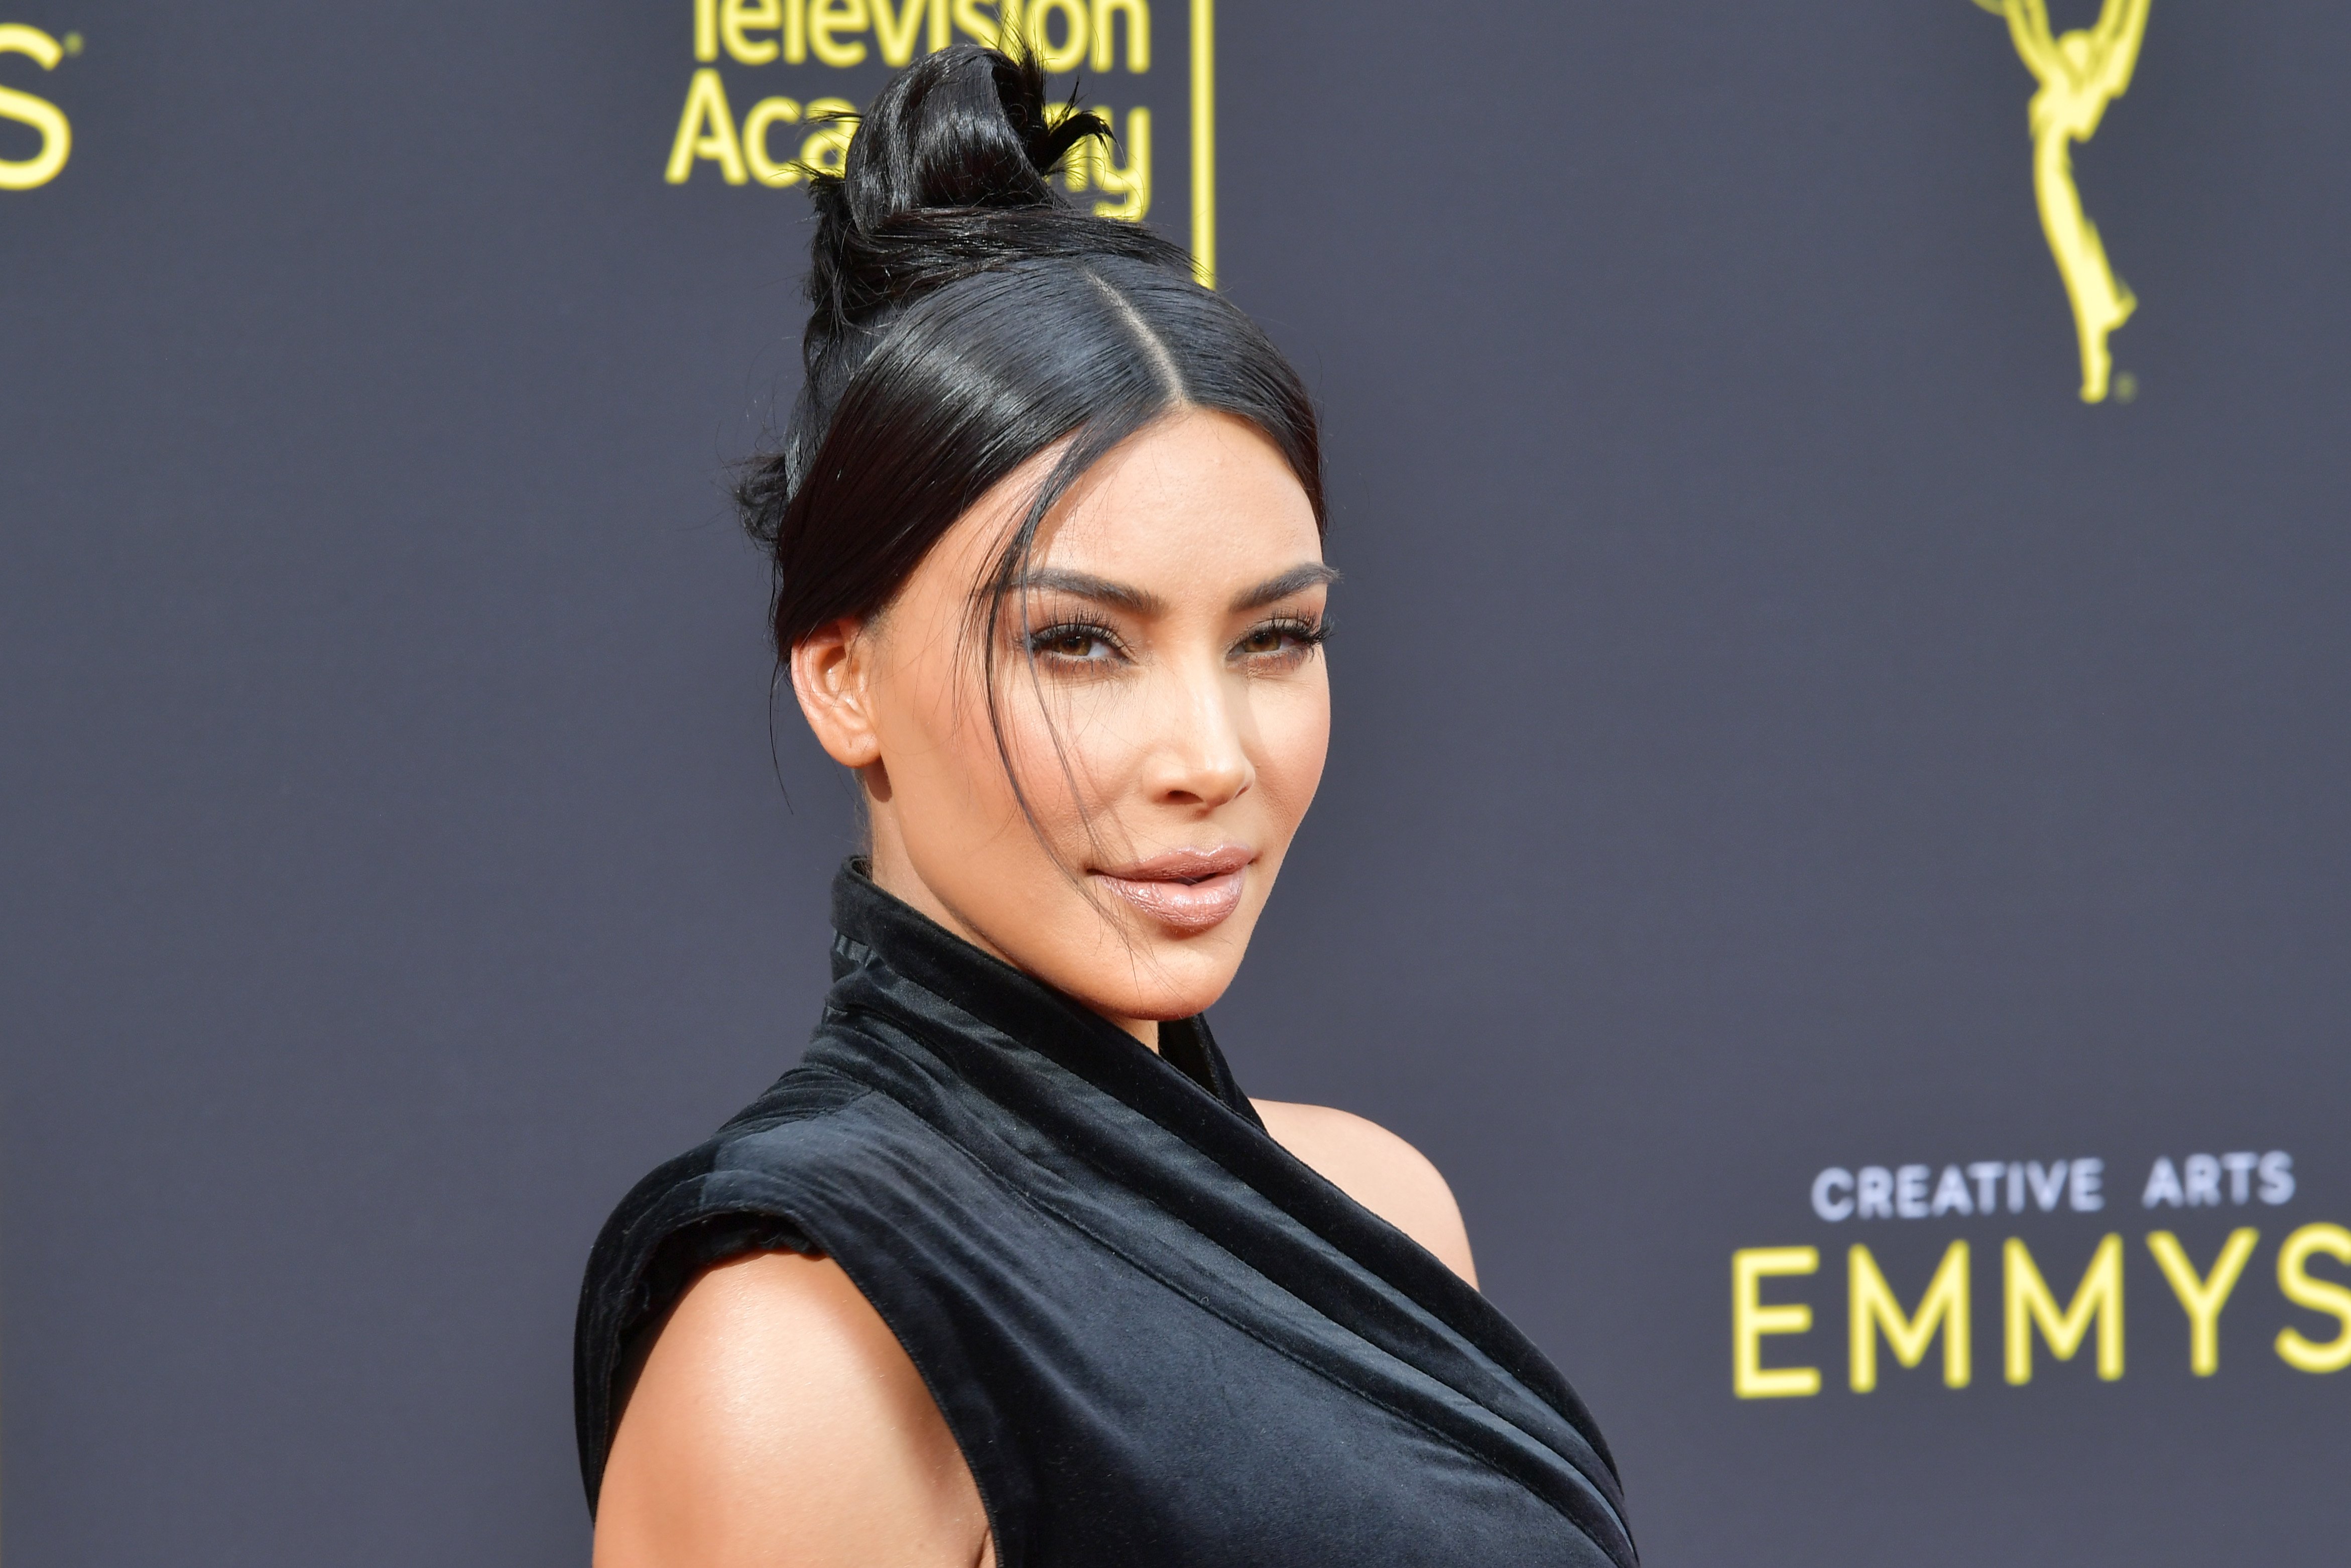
1076 645
1279 640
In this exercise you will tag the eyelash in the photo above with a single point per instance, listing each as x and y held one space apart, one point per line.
1309 635
1040 641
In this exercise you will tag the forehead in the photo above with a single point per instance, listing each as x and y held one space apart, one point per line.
1199 496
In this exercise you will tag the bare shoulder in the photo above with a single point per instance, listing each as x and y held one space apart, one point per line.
1378 1170
777 1420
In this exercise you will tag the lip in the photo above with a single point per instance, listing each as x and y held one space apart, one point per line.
1185 890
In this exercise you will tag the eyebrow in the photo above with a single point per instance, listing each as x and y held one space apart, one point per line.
1297 579
1085 585
1141 601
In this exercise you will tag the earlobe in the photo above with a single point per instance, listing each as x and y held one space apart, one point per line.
829 671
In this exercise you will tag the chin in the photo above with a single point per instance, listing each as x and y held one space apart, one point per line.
1190 982
1132 968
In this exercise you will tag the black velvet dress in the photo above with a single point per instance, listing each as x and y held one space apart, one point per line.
1156 1336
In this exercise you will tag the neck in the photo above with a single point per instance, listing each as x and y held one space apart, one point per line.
894 874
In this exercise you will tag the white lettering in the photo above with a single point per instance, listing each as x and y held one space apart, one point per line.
2240 1176
2048 1185
2079 1185
1874 1193
1987 1180
1827 1207
2277 1177
1910 1192
2203 1172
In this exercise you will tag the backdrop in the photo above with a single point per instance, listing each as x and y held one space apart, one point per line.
1810 788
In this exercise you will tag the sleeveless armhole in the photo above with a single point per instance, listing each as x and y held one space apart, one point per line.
690 1215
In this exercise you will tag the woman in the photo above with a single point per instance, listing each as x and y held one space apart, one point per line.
1009 1271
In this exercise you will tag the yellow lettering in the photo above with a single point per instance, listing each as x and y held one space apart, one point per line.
977 24
826 17
57 132
1130 182
1138 34
895 34
941 37
2203 1298
736 16
765 114
1071 52
706 130
2318 1295
2030 1302
705 30
835 119
1875 1306
1750 1320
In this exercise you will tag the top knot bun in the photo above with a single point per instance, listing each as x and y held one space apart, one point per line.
948 175
967 128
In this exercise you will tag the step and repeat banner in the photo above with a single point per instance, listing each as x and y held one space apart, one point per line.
1839 834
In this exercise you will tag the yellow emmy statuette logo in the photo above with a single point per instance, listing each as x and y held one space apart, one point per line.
2079 73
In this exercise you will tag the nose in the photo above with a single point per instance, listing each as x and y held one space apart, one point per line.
1201 757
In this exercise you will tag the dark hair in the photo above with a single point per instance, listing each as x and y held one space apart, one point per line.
968 317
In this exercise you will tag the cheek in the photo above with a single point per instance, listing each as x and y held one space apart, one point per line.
957 781
1293 731
941 757
1072 748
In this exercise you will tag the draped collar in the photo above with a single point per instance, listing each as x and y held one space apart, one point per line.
867 922
981 1018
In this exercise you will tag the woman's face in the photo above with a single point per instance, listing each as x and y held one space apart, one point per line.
1163 699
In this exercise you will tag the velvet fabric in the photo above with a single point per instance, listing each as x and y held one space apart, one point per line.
1157 1337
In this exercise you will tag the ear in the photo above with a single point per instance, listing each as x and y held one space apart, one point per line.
832 675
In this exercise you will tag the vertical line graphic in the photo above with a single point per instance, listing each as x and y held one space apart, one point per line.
1204 141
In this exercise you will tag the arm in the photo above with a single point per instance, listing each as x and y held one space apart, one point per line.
777 1423
2028 25
2121 25
1378 1170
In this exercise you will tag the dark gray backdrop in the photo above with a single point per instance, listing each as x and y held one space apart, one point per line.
1779 726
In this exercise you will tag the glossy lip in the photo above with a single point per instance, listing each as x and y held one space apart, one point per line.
1186 890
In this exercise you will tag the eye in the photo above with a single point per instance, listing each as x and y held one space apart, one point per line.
1076 643
1266 640
1283 640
